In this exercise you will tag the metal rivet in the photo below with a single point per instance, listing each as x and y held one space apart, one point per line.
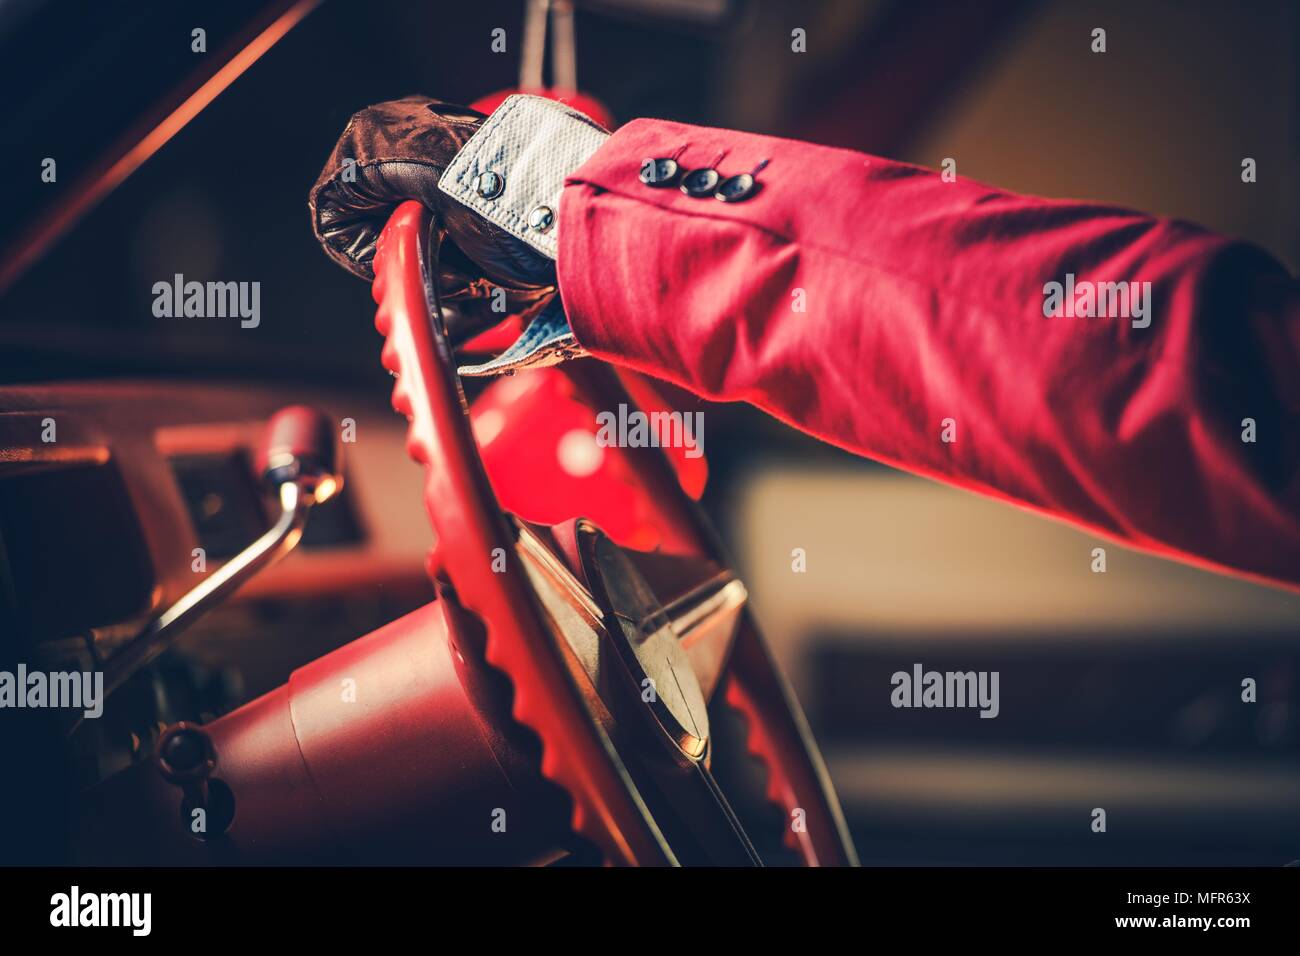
490 185
541 219
700 182
659 172
736 188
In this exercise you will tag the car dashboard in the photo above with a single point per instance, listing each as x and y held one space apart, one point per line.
118 498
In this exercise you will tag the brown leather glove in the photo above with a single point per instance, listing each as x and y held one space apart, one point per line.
397 151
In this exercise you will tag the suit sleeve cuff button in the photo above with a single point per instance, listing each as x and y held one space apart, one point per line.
736 188
659 173
699 183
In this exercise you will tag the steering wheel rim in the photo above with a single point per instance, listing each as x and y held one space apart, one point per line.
551 694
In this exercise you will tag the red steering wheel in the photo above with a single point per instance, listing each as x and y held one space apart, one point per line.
616 656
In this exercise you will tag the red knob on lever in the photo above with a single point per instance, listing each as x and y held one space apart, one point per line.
301 447
300 460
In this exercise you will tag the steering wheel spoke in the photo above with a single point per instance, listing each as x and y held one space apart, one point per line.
704 602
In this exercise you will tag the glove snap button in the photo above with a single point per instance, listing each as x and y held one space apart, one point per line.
699 183
541 219
490 185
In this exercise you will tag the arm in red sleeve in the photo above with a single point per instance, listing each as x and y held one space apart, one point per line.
867 302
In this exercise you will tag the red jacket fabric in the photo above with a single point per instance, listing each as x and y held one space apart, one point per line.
923 300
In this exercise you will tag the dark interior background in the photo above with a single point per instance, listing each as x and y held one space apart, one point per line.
1122 694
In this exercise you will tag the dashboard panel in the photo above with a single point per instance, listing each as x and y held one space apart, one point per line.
117 498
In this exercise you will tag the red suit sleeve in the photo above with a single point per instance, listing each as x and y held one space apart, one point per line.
881 308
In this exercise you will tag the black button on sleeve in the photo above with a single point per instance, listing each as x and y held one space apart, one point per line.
737 188
659 172
699 183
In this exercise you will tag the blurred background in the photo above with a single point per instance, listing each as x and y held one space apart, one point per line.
1119 690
